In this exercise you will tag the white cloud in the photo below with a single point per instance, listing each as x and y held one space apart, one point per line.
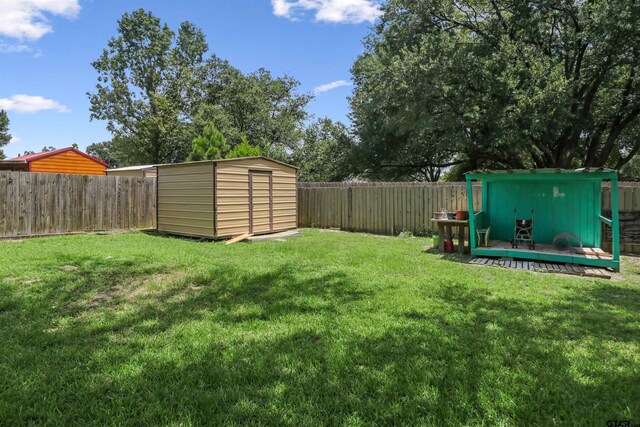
15 140
330 86
25 19
30 104
339 11
14 47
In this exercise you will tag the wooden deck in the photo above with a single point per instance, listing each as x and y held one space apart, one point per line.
543 267
588 253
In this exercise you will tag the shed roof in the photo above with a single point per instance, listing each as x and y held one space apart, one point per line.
547 173
232 160
132 168
545 170
45 154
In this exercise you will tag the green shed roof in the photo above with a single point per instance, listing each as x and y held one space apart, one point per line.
548 170
588 173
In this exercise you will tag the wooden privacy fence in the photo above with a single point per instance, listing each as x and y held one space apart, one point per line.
389 208
40 203
381 208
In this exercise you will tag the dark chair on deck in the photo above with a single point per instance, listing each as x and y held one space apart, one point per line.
523 231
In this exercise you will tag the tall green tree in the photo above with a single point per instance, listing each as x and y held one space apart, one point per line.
5 136
326 152
211 145
498 83
146 81
269 111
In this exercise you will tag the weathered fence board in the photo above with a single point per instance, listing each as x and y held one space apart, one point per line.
389 208
40 203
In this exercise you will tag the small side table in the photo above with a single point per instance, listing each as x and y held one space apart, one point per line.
448 224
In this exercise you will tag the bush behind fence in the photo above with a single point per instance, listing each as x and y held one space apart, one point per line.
34 204
389 208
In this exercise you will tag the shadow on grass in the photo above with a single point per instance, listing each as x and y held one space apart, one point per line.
286 346
453 257
164 234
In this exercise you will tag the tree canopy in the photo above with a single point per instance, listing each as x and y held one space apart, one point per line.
145 79
244 149
108 152
325 153
269 111
212 145
498 83
158 90
5 136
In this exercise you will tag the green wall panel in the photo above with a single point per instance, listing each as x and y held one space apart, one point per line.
559 206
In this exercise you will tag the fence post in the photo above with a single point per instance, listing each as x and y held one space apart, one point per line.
349 208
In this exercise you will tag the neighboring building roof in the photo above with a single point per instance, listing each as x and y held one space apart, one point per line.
132 168
234 159
45 154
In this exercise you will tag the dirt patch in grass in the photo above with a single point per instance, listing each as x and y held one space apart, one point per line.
97 300
146 286
137 289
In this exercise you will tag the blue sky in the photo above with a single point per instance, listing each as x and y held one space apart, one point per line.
47 46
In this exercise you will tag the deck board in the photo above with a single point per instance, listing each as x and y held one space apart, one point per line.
572 269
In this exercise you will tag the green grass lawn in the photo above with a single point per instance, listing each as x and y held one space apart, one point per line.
329 328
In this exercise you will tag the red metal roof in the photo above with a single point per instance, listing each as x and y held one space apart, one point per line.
45 154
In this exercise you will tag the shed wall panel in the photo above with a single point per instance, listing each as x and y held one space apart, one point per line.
557 207
186 199
232 181
67 162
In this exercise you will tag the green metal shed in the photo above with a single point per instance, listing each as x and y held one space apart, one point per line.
563 201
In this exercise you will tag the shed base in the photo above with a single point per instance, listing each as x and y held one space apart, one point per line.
274 236
543 267
586 256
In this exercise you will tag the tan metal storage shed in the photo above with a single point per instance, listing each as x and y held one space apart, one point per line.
225 198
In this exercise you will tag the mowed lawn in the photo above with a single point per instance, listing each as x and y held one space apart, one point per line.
328 328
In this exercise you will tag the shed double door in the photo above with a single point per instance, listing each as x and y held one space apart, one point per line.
260 201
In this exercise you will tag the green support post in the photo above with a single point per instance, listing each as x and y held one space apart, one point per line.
485 197
615 226
472 220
